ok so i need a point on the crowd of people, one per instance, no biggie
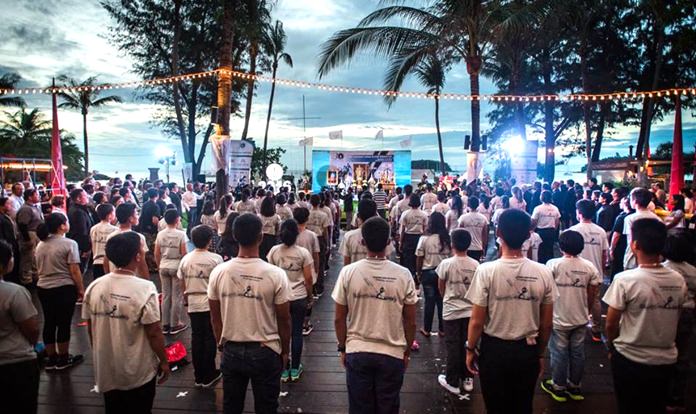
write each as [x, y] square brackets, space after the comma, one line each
[512, 273]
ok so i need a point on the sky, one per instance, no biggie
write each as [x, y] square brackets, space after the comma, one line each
[46, 38]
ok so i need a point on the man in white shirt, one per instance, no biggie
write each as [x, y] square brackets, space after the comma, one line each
[319, 222]
[640, 200]
[127, 217]
[98, 235]
[16, 198]
[123, 322]
[546, 218]
[250, 314]
[428, 199]
[170, 247]
[477, 226]
[189, 202]
[352, 247]
[375, 322]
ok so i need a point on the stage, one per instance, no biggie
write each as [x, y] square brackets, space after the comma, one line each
[356, 169]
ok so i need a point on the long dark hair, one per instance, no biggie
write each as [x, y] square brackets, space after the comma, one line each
[289, 232]
[437, 225]
[268, 207]
[457, 204]
[245, 195]
[208, 208]
[225, 202]
[228, 234]
[51, 224]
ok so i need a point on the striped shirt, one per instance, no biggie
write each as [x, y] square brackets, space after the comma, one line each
[380, 198]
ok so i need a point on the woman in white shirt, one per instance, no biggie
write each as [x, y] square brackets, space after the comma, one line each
[432, 249]
[220, 216]
[453, 214]
[271, 223]
[517, 200]
[676, 217]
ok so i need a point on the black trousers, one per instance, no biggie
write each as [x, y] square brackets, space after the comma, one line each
[97, 271]
[374, 383]
[323, 260]
[475, 254]
[19, 386]
[548, 238]
[433, 300]
[455, 341]
[137, 400]
[408, 252]
[640, 388]
[203, 347]
[508, 371]
[246, 361]
[58, 306]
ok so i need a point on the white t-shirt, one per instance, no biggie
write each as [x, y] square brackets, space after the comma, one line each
[629, 258]
[513, 291]
[246, 207]
[441, 208]
[457, 272]
[53, 259]
[248, 290]
[194, 270]
[429, 249]
[269, 224]
[496, 215]
[650, 299]
[688, 272]
[573, 275]
[98, 234]
[481, 209]
[220, 222]
[352, 246]
[532, 243]
[293, 260]
[318, 222]
[143, 243]
[519, 205]
[169, 241]
[118, 308]
[474, 224]
[375, 292]
[546, 216]
[495, 204]
[209, 220]
[284, 212]
[596, 243]
[428, 200]
[413, 221]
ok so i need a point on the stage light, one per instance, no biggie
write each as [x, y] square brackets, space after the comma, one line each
[163, 151]
[514, 143]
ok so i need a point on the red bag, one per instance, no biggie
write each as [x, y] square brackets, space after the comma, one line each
[176, 353]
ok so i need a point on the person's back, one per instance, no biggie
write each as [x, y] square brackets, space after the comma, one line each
[596, 242]
[640, 199]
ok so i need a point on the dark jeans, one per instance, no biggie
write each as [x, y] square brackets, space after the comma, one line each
[382, 213]
[640, 388]
[475, 254]
[58, 306]
[298, 310]
[432, 299]
[97, 271]
[192, 219]
[19, 386]
[374, 382]
[548, 238]
[203, 347]
[685, 329]
[245, 361]
[137, 400]
[323, 260]
[408, 252]
[455, 340]
[508, 371]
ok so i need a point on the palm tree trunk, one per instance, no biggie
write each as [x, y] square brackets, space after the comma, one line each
[268, 121]
[648, 103]
[225, 87]
[253, 51]
[85, 140]
[586, 107]
[475, 112]
[550, 136]
[439, 135]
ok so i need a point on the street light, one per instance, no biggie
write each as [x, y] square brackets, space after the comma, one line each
[165, 156]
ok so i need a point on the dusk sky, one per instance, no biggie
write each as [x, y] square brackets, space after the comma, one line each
[46, 38]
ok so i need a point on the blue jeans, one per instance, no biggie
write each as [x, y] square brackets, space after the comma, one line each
[298, 309]
[567, 348]
[244, 361]
[374, 382]
[432, 299]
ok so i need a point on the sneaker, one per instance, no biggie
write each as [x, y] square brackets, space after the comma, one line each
[295, 373]
[597, 337]
[285, 376]
[212, 382]
[67, 361]
[468, 384]
[425, 333]
[415, 346]
[575, 393]
[307, 329]
[442, 380]
[166, 329]
[558, 395]
[51, 363]
[176, 329]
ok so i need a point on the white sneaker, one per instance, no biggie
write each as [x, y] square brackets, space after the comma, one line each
[442, 380]
[468, 384]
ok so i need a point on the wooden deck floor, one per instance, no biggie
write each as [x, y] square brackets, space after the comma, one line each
[322, 388]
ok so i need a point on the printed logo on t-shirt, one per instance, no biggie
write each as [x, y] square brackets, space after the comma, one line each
[573, 281]
[244, 290]
[374, 292]
[110, 310]
[657, 299]
[520, 289]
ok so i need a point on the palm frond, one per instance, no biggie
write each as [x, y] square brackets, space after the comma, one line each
[287, 59]
[418, 18]
[400, 66]
[106, 100]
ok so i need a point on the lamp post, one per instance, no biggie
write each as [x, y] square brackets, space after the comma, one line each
[167, 157]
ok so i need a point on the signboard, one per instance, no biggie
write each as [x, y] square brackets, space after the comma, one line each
[240, 162]
[359, 168]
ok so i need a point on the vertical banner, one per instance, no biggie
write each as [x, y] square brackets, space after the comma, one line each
[220, 145]
[187, 172]
[57, 173]
[676, 178]
[474, 165]
[241, 153]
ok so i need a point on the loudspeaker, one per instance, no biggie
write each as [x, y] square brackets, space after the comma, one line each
[214, 115]
[467, 141]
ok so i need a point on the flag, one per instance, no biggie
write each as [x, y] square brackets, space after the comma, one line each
[676, 178]
[336, 135]
[57, 174]
[405, 143]
[307, 142]
[380, 134]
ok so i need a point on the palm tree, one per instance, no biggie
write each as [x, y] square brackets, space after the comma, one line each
[9, 81]
[84, 99]
[275, 46]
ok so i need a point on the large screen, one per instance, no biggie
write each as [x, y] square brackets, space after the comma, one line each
[343, 169]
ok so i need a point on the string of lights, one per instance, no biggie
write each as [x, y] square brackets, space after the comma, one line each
[583, 97]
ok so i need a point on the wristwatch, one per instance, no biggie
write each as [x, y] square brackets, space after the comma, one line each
[468, 348]
[341, 348]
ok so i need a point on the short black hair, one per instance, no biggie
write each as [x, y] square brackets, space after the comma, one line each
[288, 232]
[414, 201]
[366, 208]
[473, 202]
[571, 242]
[122, 248]
[375, 232]
[641, 196]
[678, 247]
[124, 212]
[461, 239]
[29, 193]
[315, 200]
[201, 235]
[546, 196]
[152, 193]
[103, 211]
[5, 256]
[171, 215]
[301, 214]
[586, 208]
[408, 189]
[513, 226]
[247, 229]
[650, 235]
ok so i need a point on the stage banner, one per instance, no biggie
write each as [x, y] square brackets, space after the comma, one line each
[220, 145]
[343, 169]
[241, 153]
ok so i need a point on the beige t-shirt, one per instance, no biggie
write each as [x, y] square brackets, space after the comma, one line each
[572, 275]
[209, 220]
[248, 290]
[596, 243]
[98, 234]
[292, 260]
[413, 221]
[53, 259]
[375, 292]
[452, 219]
[546, 216]
[269, 224]
[474, 223]
[194, 270]
[429, 249]
[118, 306]
[143, 243]
[246, 207]
[317, 222]
[220, 222]
[688, 272]
[428, 200]
[441, 208]
[352, 246]
[284, 212]
[629, 259]
[513, 291]
[170, 241]
[650, 300]
[457, 272]
[532, 243]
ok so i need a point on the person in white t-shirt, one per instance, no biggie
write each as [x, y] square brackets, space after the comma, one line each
[309, 240]
[352, 247]
[441, 205]
[412, 225]
[250, 313]
[271, 224]
[432, 249]
[123, 322]
[455, 275]
[98, 234]
[319, 222]
[375, 321]
[428, 199]
[577, 281]
[547, 219]
[644, 308]
[512, 314]
[640, 200]
[194, 271]
[477, 226]
[127, 217]
[170, 247]
[297, 263]
[283, 211]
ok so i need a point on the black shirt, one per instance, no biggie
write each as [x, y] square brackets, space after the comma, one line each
[80, 224]
[150, 210]
[348, 203]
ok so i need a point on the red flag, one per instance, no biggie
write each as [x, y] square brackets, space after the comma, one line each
[676, 178]
[57, 176]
